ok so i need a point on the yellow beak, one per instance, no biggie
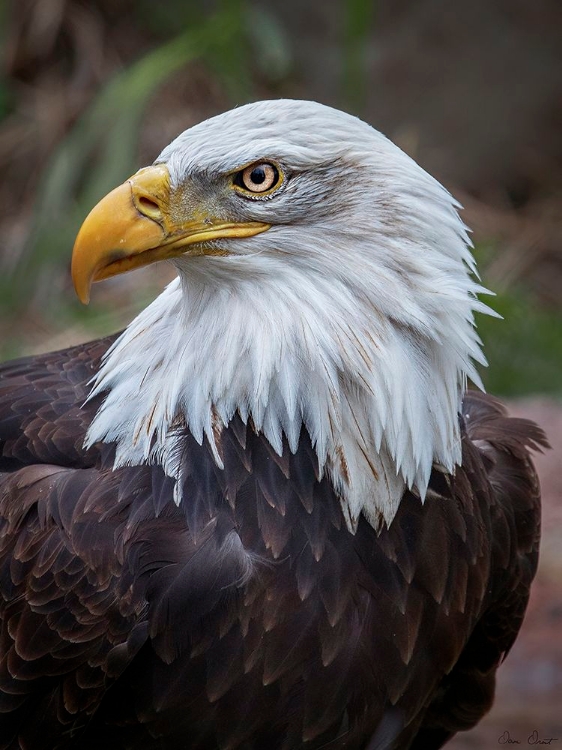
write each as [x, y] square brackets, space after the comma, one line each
[132, 227]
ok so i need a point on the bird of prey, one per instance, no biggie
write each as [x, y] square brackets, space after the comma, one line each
[268, 515]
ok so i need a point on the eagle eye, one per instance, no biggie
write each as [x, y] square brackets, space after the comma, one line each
[257, 179]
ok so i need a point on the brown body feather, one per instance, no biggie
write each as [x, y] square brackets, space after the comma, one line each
[249, 617]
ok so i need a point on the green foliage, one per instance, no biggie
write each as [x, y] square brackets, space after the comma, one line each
[524, 350]
[165, 18]
[358, 19]
[271, 50]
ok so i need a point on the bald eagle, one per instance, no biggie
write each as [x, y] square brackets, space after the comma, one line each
[267, 515]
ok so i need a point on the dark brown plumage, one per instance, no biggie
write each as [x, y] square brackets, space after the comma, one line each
[249, 617]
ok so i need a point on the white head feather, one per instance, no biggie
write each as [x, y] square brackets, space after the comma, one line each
[352, 315]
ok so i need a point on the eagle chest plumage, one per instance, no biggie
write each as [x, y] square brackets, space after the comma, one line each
[249, 616]
[268, 515]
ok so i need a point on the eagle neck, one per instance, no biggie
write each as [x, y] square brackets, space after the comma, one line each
[206, 350]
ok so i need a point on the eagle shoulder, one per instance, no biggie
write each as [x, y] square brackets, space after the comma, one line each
[497, 466]
[42, 414]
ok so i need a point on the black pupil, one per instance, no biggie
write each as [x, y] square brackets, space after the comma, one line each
[257, 175]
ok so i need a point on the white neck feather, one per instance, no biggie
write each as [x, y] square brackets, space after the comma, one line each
[379, 403]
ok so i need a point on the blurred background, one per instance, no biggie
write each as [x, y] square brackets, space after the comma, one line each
[472, 89]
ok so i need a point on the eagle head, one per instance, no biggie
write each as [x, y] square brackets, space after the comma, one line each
[325, 283]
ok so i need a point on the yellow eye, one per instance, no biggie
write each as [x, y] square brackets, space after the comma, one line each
[258, 178]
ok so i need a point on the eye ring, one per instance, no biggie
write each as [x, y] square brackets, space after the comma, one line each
[258, 179]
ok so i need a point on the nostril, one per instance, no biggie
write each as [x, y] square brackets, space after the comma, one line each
[148, 207]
